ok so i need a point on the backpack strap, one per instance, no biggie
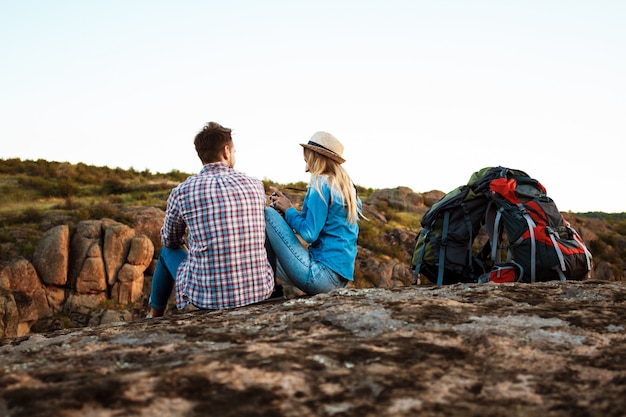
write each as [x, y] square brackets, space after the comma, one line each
[521, 271]
[582, 245]
[559, 253]
[533, 243]
[420, 254]
[470, 231]
[492, 224]
[443, 247]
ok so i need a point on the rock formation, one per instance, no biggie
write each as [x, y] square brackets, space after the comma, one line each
[546, 349]
[399, 198]
[101, 260]
[51, 258]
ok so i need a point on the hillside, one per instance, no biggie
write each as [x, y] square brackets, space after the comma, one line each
[38, 195]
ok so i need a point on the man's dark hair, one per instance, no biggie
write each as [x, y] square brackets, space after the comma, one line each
[210, 142]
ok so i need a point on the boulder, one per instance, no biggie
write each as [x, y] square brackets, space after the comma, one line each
[129, 287]
[110, 316]
[117, 238]
[56, 298]
[29, 294]
[9, 316]
[23, 276]
[141, 251]
[380, 271]
[399, 198]
[28, 312]
[92, 277]
[40, 298]
[148, 221]
[431, 197]
[5, 277]
[51, 256]
[87, 233]
[80, 307]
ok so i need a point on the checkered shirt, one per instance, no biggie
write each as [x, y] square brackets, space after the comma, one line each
[221, 210]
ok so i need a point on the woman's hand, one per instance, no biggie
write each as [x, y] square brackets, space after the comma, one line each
[279, 201]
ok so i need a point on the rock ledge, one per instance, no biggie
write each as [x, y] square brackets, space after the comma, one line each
[550, 349]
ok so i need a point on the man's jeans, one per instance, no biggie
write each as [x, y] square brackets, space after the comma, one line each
[293, 261]
[165, 276]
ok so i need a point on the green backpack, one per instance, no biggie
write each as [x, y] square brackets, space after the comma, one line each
[444, 251]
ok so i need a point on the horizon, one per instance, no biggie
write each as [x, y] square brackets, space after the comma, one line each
[422, 94]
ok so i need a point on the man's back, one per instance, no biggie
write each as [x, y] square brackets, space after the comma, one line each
[227, 264]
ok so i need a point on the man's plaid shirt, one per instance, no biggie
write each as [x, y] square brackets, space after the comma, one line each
[221, 210]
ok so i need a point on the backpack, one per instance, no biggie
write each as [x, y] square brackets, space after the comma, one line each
[521, 222]
[444, 251]
[538, 238]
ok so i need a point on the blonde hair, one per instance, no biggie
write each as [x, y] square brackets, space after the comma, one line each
[338, 179]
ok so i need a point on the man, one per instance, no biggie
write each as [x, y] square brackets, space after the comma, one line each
[219, 215]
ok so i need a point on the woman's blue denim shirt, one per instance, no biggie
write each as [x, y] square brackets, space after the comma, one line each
[324, 225]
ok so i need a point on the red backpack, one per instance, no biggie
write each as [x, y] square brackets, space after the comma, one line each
[527, 232]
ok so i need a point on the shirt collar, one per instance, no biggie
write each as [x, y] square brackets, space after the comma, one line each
[214, 167]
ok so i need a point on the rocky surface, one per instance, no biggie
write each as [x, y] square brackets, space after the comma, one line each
[544, 349]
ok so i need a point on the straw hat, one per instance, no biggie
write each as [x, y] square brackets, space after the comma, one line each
[326, 144]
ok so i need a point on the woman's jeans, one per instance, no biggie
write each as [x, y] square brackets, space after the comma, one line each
[165, 276]
[293, 261]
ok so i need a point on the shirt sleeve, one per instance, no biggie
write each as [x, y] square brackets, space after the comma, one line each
[309, 223]
[173, 230]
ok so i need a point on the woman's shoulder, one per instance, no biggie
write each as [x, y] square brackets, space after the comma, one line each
[320, 183]
[320, 180]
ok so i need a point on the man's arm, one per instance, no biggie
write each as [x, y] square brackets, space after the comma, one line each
[174, 227]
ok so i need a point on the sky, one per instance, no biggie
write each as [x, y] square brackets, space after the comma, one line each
[422, 93]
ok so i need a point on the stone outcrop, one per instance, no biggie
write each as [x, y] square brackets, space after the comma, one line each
[130, 277]
[116, 244]
[381, 271]
[28, 297]
[9, 316]
[51, 257]
[74, 272]
[399, 198]
[546, 349]
[431, 197]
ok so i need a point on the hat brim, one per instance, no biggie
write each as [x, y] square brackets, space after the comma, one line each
[329, 154]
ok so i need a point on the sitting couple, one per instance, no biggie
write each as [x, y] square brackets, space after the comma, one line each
[222, 246]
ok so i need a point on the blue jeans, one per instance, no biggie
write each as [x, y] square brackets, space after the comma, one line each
[293, 261]
[165, 276]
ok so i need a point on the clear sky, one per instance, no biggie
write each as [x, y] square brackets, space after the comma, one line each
[421, 92]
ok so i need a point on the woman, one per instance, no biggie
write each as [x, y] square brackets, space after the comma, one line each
[327, 223]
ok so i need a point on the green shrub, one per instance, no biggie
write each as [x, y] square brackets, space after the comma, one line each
[597, 248]
[620, 227]
[114, 186]
[31, 215]
[405, 219]
[177, 176]
[66, 187]
[363, 192]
